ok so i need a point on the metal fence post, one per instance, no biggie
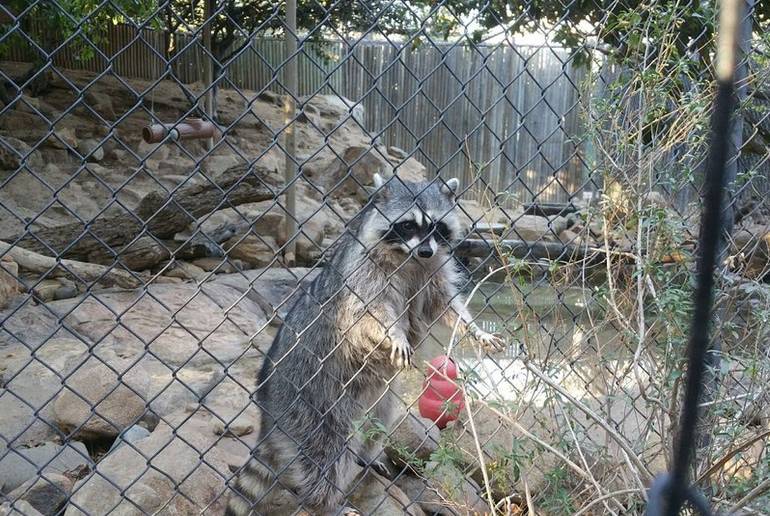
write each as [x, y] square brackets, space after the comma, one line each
[735, 142]
[208, 75]
[290, 143]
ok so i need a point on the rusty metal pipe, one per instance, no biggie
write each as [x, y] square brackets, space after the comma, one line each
[190, 129]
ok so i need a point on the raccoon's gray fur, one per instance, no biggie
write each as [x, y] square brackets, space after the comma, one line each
[390, 277]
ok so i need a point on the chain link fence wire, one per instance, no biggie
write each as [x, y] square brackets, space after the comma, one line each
[149, 250]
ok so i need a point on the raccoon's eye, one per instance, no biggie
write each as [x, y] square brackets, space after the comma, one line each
[408, 226]
[443, 230]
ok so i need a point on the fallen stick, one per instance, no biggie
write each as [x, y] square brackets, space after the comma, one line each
[79, 271]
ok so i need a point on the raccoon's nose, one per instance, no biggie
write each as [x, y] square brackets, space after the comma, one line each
[424, 251]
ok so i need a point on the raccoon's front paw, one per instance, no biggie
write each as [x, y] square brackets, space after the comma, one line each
[491, 341]
[380, 468]
[401, 353]
[377, 466]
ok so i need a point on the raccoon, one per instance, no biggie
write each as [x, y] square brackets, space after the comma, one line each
[389, 278]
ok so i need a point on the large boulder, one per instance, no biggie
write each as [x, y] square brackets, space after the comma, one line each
[91, 149]
[532, 228]
[336, 108]
[473, 214]
[31, 380]
[260, 228]
[374, 494]
[413, 437]
[274, 289]
[100, 399]
[9, 284]
[444, 490]
[20, 508]
[751, 246]
[346, 175]
[175, 470]
[14, 153]
[100, 102]
[178, 324]
[18, 465]
[255, 250]
[181, 336]
[47, 493]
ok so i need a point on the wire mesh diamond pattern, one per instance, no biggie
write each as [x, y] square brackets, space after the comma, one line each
[436, 260]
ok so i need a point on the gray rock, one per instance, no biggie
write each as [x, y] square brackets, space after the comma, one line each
[35, 105]
[271, 97]
[336, 107]
[133, 435]
[20, 508]
[101, 103]
[174, 322]
[230, 402]
[377, 495]
[14, 153]
[20, 426]
[21, 464]
[45, 290]
[414, 437]
[9, 284]
[47, 493]
[340, 179]
[217, 265]
[257, 251]
[397, 152]
[96, 403]
[30, 383]
[446, 492]
[532, 228]
[309, 114]
[184, 270]
[91, 149]
[164, 473]
[65, 292]
[272, 288]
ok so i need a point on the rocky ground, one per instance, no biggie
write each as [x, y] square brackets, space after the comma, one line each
[137, 399]
[150, 410]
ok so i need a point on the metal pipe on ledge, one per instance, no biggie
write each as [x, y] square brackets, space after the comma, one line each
[190, 129]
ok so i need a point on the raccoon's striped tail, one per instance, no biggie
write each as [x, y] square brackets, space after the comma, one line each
[251, 487]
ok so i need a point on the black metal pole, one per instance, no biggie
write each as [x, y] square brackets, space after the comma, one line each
[675, 490]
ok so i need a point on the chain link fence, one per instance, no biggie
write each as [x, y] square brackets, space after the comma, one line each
[178, 187]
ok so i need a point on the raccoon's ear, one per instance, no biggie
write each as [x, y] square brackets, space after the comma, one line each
[378, 181]
[451, 185]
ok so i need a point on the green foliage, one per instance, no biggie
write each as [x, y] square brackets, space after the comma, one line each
[556, 498]
[369, 428]
[505, 471]
[447, 453]
[625, 26]
[49, 23]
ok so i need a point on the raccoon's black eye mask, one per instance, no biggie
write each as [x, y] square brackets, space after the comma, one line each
[405, 230]
[407, 227]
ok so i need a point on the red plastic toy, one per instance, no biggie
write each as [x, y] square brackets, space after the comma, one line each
[441, 399]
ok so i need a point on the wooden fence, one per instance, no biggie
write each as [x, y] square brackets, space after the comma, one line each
[507, 114]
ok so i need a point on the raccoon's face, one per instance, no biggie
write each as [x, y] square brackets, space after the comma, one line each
[416, 219]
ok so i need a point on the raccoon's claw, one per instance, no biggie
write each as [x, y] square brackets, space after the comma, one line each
[380, 468]
[491, 341]
[401, 354]
[377, 466]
